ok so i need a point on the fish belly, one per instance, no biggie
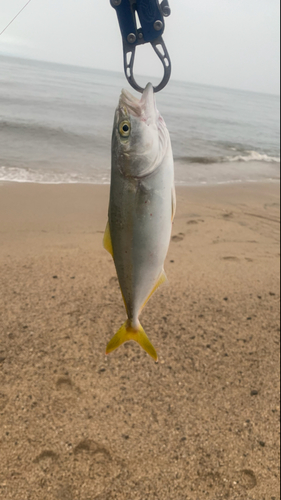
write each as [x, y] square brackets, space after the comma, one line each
[140, 218]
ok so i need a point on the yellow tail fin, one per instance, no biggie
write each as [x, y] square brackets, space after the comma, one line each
[127, 333]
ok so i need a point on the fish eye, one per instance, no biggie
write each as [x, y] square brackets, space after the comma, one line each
[125, 128]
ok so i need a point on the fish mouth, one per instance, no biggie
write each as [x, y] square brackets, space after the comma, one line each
[144, 108]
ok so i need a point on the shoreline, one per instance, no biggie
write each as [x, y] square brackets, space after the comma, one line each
[186, 174]
[177, 184]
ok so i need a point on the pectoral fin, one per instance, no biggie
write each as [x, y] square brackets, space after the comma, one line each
[107, 243]
[127, 333]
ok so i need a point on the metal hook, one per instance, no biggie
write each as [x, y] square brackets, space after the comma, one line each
[151, 15]
[129, 60]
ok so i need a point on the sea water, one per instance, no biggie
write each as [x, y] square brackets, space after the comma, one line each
[56, 123]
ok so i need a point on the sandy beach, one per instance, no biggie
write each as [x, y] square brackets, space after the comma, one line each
[201, 424]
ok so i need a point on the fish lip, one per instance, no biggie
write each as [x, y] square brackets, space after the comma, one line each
[148, 101]
[143, 109]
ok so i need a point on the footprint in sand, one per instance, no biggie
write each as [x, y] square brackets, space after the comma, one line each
[247, 479]
[94, 461]
[3, 401]
[46, 456]
[113, 281]
[194, 222]
[46, 462]
[64, 492]
[64, 383]
[178, 237]
[65, 396]
[231, 258]
[271, 205]
[228, 215]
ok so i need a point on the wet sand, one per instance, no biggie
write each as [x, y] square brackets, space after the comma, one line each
[204, 422]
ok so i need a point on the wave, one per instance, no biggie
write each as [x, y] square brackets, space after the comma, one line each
[203, 160]
[23, 175]
[255, 156]
[187, 177]
[31, 127]
[248, 156]
[42, 132]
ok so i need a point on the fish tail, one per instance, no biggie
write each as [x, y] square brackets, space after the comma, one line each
[127, 333]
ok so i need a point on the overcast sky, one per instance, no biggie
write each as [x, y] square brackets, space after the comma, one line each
[230, 43]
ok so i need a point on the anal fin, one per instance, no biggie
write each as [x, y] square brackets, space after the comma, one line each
[162, 279]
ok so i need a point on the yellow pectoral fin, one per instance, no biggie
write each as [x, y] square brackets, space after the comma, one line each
[107, 243]
[163, 278]
[127, 333]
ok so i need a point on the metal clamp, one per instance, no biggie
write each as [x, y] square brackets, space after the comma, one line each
[151, 19]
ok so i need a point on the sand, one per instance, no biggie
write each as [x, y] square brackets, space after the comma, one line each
[204, 422]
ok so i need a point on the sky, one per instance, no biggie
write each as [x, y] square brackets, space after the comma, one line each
[228, 43]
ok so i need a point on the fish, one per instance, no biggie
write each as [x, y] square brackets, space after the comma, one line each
[141, 208]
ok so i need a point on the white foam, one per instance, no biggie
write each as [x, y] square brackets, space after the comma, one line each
[22, 175]
[219, 173]
[254, 156]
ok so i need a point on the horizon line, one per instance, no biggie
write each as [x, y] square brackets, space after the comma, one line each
[175, 80]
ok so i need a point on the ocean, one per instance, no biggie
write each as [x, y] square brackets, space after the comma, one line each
[56, 123]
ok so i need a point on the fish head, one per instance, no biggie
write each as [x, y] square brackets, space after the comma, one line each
[140, 138]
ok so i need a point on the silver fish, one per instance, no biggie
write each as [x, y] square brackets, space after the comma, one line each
[141, 209]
